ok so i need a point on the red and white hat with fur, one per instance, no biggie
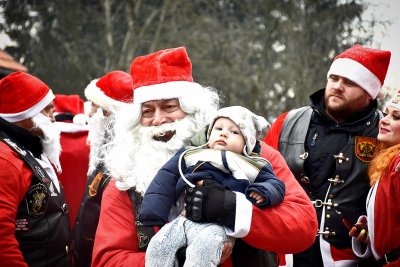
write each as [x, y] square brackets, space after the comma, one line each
[367, 67]
[23, 96]
[165, 74]
[112, 91]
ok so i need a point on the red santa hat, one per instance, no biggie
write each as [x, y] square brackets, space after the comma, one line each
[165, 74]
[70, 108]
[23, 96]
[367, 67]
[112, 91]
[68, 104]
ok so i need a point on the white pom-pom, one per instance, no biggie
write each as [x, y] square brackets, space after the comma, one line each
[81, 119]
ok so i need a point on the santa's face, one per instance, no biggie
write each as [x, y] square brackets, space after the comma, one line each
[158, 112]
[145, 151]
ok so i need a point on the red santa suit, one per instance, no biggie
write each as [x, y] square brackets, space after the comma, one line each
[287, 228]
[383, 213]
[74, 157]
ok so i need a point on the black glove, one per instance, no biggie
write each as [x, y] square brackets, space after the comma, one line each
[211, 203]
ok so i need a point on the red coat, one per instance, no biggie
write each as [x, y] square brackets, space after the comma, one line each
[287, 228]
[15, 179]
[74, 161]
[386, 213]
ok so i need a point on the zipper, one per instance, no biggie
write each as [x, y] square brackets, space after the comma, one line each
[314, 139]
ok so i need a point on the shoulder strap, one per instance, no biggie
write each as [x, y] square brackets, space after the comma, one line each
[144, 232]
[37, 169]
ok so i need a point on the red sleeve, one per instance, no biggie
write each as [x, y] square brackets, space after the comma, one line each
[272, 137]
[15, 179]
[290, 227]
[116, 242]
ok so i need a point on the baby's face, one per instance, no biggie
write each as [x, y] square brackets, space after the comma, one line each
[226, 135]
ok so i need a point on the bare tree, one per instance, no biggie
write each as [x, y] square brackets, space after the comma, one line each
[265, 55]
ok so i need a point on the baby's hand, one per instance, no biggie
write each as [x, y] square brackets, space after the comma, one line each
[256, 196]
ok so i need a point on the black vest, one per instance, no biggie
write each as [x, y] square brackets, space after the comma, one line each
[347, 188]
[88, 217]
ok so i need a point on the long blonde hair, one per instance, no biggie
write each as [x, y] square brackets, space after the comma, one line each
[381, 162]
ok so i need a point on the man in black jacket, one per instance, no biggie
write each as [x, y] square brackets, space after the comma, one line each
[328, 146]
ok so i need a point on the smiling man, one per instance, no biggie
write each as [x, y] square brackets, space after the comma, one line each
[328, 146]
[168, 110]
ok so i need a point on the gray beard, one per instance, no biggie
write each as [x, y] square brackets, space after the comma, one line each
[51, 139]
[96, 140]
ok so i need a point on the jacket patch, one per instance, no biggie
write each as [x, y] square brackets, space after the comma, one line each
[365, 147]
[21, 225]
[37, 199]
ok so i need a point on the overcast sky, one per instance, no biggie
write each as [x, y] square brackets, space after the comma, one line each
[388, 38]
[385, 38]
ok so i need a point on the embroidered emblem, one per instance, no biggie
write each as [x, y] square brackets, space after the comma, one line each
[143, 239]
[21, 224]
[37, 199]
[365, 147]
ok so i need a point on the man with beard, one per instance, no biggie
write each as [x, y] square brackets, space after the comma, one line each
[169, 108]
[34, 223]
[107, 95]
[328, 146]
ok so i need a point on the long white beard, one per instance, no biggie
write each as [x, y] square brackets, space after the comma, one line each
[96, 139]
[51, 139]
[136, 157]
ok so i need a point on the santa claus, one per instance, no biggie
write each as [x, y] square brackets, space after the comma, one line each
[33, 209]
[107, 95]
[170, 111]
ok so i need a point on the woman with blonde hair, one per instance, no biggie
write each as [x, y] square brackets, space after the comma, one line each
[378, 233]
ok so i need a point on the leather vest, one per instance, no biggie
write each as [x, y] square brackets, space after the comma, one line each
[42, 222]
[88, 217]
[349, 185]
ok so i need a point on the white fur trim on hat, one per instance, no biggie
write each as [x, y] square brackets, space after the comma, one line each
[94, 94]
[30, 112]
[168, 90]
[357, 73]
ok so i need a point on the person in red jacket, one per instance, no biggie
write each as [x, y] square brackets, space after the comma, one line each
[380, 229]
[168, 110]
[106, 94]
[74, 158]
[328, 146]
[34, 223]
